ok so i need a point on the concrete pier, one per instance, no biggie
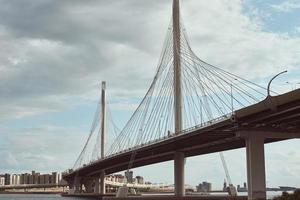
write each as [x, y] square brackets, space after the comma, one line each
[179, 162]
[97, 185]
[102, 182]
[256, 167]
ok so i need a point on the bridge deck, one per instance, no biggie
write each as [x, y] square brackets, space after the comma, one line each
[280, 114]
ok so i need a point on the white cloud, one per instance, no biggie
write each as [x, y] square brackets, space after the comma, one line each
[43, 148]
[55, 53]
[286, 6]
[224, 36]
[67, 52]
[124, 106]
[282, 163]
[10, 159]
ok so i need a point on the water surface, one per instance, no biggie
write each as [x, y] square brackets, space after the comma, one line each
[58, 197]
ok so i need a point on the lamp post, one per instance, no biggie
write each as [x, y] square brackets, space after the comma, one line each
[269, 84]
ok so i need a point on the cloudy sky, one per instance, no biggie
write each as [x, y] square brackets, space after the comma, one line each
[54, 54]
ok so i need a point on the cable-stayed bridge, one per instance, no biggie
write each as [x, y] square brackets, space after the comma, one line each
[191, 108]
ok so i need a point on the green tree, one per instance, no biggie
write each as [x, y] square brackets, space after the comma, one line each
[287, 196]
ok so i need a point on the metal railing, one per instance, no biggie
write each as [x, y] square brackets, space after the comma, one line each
[165, 138]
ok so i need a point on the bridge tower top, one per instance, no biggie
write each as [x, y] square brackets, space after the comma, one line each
[103, 116]
[177, 66]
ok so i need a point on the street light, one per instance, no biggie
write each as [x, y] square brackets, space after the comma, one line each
[269, 84]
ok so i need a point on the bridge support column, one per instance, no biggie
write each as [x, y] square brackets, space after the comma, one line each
[256, 167]
[88, 184]
[102, 182]
[179, 162]
[97, 186]
[77, 186]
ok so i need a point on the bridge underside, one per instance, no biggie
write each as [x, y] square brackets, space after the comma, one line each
[278, 118]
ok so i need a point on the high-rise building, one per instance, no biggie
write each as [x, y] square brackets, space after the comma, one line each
[139, 180]
[54, 178]
[129, 176]
[15, 179]
[18, 179]
[36, 178]
[2, 180]
[30, 179]
[21, 179]
[42, 179]
[204, 187]
[242, 189]
[7, 179]
[33, 178]
[47, 179]
[59, 178]
[119, 178]
[26, 178]
[110, 178]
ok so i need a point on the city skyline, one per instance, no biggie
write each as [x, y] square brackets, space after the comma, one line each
[55, 103]
[36, 178]
[31, 178]
[55, 178]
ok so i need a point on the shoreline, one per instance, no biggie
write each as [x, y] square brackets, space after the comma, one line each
[37, 192]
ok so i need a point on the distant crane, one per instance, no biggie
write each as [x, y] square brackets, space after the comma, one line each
[231, 188]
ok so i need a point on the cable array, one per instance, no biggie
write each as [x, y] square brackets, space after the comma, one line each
[208, 93]
[91, 151]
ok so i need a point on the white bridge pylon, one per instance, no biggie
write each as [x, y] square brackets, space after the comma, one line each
[186, 92]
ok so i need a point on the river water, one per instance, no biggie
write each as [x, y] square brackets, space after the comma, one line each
[58, 197]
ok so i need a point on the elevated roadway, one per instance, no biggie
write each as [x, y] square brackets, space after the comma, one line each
[276, 118]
